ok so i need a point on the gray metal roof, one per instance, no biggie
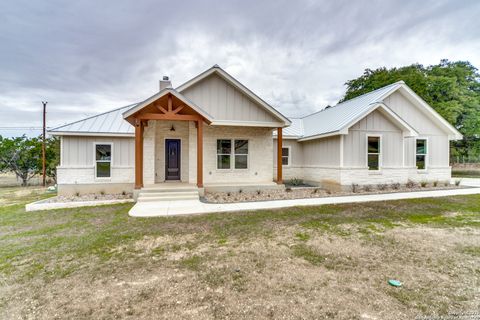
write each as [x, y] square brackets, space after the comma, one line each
[337, 117]
[110, 122]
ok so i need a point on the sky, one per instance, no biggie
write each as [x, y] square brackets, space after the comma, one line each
[85, 57]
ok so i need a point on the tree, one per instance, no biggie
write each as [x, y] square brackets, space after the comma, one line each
[23, 157]
[451, 88]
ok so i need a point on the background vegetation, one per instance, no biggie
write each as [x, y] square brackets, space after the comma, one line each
[451, 88]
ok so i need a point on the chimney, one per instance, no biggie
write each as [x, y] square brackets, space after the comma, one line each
[165, 83]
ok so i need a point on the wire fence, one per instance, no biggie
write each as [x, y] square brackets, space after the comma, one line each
[464, 160]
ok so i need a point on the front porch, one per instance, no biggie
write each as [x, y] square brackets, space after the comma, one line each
[176, 141]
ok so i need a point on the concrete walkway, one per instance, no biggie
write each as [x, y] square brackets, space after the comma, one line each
[175, 208]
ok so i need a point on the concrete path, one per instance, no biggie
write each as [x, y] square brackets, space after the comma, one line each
[175, 208]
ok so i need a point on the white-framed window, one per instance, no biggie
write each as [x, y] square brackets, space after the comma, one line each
[374, 152]
[286, 156]
[224, 153]
[421, 153]
[241, 154]
[232, 153]
[103, 160]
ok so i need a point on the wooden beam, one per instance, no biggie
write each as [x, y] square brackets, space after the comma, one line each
[200, 153]
[169, 116]
[177, 110]
[279, 155]
[162, 109]
[170, 102]
[138, 154]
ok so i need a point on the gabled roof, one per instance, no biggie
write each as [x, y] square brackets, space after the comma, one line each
[337, 119]
[237, 84]
[162, 93]
[109, 123]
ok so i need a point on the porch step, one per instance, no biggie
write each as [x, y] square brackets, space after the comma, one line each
[168, 193]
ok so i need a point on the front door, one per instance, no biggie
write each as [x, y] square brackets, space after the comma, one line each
[172, 159]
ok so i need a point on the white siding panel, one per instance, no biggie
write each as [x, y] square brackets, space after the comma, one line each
[322, 152]
[225, 102]
[355, 143]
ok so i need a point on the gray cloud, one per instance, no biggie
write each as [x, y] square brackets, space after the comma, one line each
[86, 57]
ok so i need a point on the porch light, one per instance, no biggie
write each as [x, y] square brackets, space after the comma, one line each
[172, 128]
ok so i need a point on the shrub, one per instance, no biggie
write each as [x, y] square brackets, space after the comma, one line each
[382, 186]
[423, 184]
[77, 194]
[355, 188]
[315, 190]
[446, 183]
[240, 191]
[395, 186]
[102, 193]
[410, 184]
[367, 188]
[229, 194]
[295, 182]
[259, 192]
[435, 183]
[124, 193]
[288, 189]
[457, 182]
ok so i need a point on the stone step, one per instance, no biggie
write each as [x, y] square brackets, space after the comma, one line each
[167, 198]
[169, 193]
[168, 189]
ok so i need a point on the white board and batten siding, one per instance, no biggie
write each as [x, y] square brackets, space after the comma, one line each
[225, 102]
[438, 142]
[355, 142]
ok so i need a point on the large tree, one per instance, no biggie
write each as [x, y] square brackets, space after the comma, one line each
[451, 88]
[23, 157]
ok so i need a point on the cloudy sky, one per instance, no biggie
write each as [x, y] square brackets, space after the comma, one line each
[86, 57]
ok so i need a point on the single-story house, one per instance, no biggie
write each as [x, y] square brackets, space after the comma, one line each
[215, 133]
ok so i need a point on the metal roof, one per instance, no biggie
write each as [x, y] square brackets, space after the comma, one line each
[110, 122]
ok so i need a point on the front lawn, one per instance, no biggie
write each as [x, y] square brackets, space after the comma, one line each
[311, 262]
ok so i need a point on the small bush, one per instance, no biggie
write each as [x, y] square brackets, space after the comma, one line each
[435, 183]
[77, 194]
[259, 192]
[316, 190]
[382, 186]
[229, 194]
[295, 182]
[423, 184]
[410, 184]
[367, 188]
[457, 182]
[395, 186]
[124, 193]
[446, 183]
[355, 188]
[240, 191]
[102, 193]
[288, 189]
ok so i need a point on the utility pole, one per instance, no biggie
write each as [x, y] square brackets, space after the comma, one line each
[44, 165]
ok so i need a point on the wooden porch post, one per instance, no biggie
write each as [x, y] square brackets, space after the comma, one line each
[279, 155]
[138, 154]
[200, 153]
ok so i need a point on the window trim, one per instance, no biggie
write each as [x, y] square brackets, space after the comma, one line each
[241, 154]
[95, 144]
[232, 155]
[289, 157]
[380, 153]
[427, 145]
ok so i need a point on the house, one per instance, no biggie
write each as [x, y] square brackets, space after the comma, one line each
[215, 133]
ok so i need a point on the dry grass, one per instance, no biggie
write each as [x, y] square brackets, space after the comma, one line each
[308, 263]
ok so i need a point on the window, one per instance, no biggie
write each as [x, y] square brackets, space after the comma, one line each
[225, 154]
[421, 154]
[373, 153]
[285, 156]
[103, 160]
[241, 154]
[224, 151]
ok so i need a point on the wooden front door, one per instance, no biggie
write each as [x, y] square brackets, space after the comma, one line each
[172, 159]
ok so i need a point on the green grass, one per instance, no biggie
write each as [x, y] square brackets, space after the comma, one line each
[49, 243]
[466, 173]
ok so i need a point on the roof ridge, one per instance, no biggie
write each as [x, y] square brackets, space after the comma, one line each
[91, 117]
[362, 95]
